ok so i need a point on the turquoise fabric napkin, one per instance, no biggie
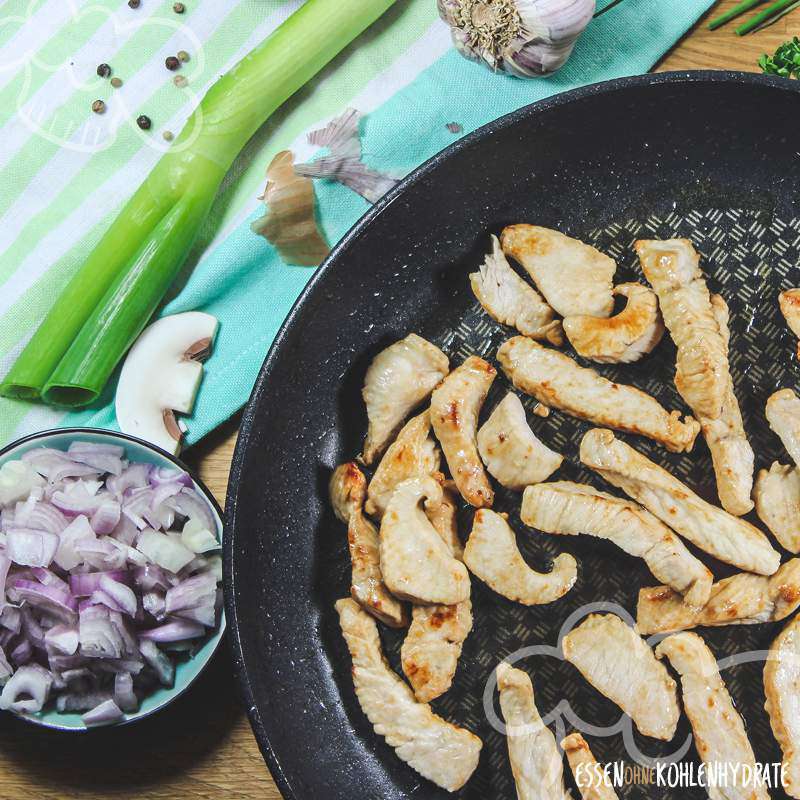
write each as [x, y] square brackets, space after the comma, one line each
[422, 87]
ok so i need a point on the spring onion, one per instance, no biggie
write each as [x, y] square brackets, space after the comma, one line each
[732, 13]
[764, 16]
[119, 286]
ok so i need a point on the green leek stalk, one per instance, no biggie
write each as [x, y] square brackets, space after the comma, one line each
[116, 290]
[759, 19]
[738, 9]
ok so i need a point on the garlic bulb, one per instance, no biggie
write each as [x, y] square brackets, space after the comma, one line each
[527, 38]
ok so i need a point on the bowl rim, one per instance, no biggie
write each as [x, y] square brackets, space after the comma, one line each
[264, 731]
[216, 636]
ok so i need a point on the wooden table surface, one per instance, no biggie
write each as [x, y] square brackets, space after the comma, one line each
[202, 747]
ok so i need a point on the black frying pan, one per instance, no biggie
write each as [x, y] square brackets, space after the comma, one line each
[709, 155]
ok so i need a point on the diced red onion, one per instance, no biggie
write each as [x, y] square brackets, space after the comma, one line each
[122, 595]
[39, 515]
[105, 714]
[62, 639]
[191, 593]
[101, 553]
[33, 682]
[175, 631]
[151, 576]
[5, 668]
[106, 518]
[99, 638]
[31, 548]
[134, 477]
[83, 585]
[77, 500]
[124, 695]
[161, 475]
[160, 662]
[78, 530]
[164, 550]
[22, 653]
[11, 619]
[125, 531]
[48, 599]
[106, 458]
[55, 465]
[190, 504]
[118, 565]
[71, 702]
[154, 604]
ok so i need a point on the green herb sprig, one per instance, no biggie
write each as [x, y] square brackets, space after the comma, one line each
[785, 62]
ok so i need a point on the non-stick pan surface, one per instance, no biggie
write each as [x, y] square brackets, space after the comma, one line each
[708, 155]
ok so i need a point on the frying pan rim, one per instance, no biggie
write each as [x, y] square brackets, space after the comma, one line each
[266, 732]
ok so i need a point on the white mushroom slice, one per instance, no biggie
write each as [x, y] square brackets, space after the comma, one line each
[782, 689]
[432, 647]
[416, 564]
[397, 381]
[510, 449]
[621, 666]
[347, 489]
[508, 299]
[728, 538]
[569, 508]
[589, 778]
[573, 277]
[789, 302]
[783, 415]
[559, 382]
[437, 750]
[161, 375]
[731, 453]
[673, 268]
[535, 760]
[777, 496]
[455, 406]
[719, 733]
[741, 599]
[413, 454]
[625, 337]
[493, 556]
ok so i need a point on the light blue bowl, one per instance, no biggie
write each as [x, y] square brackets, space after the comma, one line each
[135, 450]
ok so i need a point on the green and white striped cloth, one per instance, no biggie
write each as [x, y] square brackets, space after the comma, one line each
[65, 171]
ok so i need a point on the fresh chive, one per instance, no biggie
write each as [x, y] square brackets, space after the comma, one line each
[785, 62]
[119, 286]
[760, 18]
[731, 13]
[780, 15]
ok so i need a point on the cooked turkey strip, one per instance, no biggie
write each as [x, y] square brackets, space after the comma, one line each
[347, 490]
[719, 733]
[508, 299]
[492, 555]
[413, 454]
[532, 751]
[510, 449]
[399, 378]
[741, 599]
[724, 536]
[782, 689]
[777, 496]
[441, 752]
[559, 382]
[589, 780]
[621, 666]
[783, 415]
[455, 406]
[569, 508]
